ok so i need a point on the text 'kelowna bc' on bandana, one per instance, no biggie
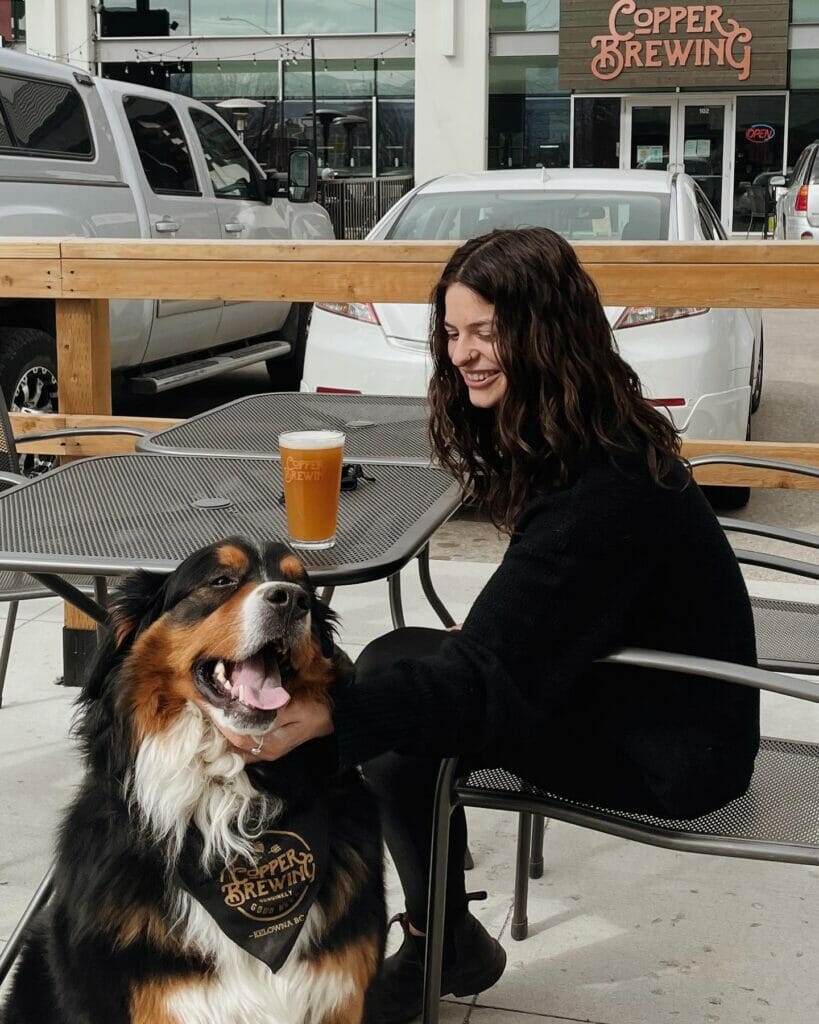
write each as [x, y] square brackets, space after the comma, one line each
[262, 904]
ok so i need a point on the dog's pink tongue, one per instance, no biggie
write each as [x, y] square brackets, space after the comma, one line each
[251, 686]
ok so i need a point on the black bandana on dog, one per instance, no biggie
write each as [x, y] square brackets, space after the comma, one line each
[262, 904]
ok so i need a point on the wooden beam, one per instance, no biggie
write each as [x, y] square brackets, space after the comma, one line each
[30, 268]
[83, 356]
[755, 274]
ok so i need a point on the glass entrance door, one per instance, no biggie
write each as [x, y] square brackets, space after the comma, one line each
[681, 133]
[702, 142]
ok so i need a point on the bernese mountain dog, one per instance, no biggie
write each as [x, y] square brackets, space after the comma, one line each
[192, 888]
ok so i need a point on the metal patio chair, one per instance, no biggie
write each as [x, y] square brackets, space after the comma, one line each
[787, 632]
[19, 586]
[777, 819]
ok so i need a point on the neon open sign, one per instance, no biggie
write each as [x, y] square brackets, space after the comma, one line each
[759, 133]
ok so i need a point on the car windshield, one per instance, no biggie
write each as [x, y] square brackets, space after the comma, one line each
[577, 215]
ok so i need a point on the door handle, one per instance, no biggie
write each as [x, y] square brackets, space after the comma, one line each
[166, 227]
[233, 227]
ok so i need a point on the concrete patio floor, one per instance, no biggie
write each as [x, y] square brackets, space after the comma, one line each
[620, 933]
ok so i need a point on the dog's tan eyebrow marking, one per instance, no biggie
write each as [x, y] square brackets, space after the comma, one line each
[291, 567]
[232, 558]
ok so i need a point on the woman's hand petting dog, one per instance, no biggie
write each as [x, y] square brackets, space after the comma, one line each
[300, 720]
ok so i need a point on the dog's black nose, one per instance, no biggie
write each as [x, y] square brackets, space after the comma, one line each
[289, 599]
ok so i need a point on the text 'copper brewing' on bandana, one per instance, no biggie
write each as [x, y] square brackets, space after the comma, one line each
[262, 904]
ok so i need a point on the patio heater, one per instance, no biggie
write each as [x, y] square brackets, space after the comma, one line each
[239, 107]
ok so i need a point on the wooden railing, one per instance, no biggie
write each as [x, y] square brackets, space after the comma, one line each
[81, 275]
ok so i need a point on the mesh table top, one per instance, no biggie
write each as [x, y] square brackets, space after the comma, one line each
[378, 428]
[111, 515]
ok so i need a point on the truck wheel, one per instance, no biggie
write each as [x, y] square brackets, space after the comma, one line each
[285, 374]
[28, 379]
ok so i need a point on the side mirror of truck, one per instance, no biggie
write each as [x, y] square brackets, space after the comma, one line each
[302, 178]
[275, 185]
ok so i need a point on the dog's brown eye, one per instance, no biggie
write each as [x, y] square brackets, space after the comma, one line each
[222, 581]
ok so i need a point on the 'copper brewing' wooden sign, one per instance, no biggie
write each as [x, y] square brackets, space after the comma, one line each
[621, 45]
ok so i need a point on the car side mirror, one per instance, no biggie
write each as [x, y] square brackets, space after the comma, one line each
[302, 178]
[777, 179]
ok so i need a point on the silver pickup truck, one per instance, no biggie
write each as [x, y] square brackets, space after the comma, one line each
[98, 158]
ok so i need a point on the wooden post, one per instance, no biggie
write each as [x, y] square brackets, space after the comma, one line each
[84, 356]
[84, 386]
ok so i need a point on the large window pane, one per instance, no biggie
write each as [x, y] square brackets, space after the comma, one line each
[395, 77]
[334, 78]
[321, 16]
[524, 15]
[528, 116]
[805, 11]
[344, 140]
[804, 69]
[804, 123]
[250, 17]
[394, 15]
[396, 137]
[597, 131]
[757, 154]
[162, 18]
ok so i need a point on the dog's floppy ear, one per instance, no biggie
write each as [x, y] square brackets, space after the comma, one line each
[138, 603]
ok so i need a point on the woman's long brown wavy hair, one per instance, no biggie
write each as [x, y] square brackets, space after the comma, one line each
[568, 391]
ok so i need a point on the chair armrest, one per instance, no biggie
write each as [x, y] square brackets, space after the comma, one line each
[777, 562]
[749, 460]
[47, 435]
[11, 478]
[809, 540]
[744, 675]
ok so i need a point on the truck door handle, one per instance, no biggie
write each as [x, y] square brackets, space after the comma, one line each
[233, 227]
[165, 227]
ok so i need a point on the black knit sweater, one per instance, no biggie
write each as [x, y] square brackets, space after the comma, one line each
[613, 560]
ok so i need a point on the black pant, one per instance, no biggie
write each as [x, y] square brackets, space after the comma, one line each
[570, 757]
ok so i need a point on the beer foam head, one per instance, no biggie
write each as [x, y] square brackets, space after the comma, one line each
[312, 439]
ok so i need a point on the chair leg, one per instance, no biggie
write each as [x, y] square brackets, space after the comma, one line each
[520, 919]
[8, 635]
[438, 605]
[36, 903]
[436, 907]
[536, 858]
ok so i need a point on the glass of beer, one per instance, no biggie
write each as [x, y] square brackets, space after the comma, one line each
[311, 471]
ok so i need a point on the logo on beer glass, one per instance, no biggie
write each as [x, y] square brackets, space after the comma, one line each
[311, 463]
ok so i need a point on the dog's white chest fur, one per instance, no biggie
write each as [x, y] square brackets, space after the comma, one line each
[242, 990]
[187, 775]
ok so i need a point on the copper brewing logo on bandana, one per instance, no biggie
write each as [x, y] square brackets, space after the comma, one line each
[262, 903]
[275, 883]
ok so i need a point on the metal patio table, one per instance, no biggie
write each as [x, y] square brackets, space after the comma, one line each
[378, 428]
[111, 515]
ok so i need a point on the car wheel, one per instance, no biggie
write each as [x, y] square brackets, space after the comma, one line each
[286, 373]
[730, 499]
[28, 378]
[756, 380]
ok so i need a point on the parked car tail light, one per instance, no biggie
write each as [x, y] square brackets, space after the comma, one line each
[801, 204]
[336, 391]
[363, 311]
[806, 234]
[666, 401]
[636, 316]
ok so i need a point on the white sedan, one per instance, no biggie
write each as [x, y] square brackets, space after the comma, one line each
[703, 366]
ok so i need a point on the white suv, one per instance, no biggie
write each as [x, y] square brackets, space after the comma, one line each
[797, 203]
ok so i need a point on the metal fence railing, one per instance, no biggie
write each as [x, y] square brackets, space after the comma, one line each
[356, 204]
